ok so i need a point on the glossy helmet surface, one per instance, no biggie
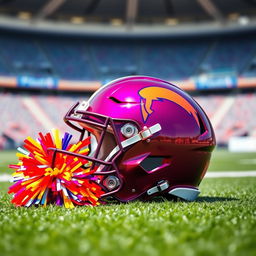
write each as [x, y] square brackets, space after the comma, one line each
[151, 138]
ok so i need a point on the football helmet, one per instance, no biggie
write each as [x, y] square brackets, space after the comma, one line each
[150, 138]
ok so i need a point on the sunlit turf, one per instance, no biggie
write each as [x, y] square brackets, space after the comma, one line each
[6, 158]
[222, 160]
[221, 222]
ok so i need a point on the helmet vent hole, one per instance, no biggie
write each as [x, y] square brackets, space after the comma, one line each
[115, 100]
[154, 163]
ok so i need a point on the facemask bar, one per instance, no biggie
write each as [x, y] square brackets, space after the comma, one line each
[79, 116]
[82, 116]
[105, 173]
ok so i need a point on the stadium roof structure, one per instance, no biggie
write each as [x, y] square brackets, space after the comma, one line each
[128, 16]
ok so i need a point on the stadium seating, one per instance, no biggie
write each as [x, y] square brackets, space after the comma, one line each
[115, 57]
[95, 59]
[18, 121]
[104, 59]
[21, 55]
[238, 120]
[172, 60]
[56, 107]
[210, 103]
[70, 59]
[230, 54]
[3, 68]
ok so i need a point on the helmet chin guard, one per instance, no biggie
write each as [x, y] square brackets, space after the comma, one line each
[152, 138]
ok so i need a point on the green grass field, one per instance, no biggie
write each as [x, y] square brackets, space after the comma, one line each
[221, 222]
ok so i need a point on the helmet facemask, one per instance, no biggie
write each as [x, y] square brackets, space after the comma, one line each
[109, 138]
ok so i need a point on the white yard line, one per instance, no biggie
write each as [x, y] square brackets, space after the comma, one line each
[221, 174]
[231, 174]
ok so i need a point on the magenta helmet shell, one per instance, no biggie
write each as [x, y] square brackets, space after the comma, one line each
[175, 156]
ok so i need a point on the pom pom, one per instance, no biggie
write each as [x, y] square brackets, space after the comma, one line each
[43, 176]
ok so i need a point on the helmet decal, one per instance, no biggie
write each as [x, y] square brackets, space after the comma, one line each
[149, 94]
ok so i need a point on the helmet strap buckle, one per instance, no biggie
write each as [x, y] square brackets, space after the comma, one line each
[161, 186]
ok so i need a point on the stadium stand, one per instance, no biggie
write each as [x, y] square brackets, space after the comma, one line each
[3, 68]
[92, 59]
[25, 113]
[240, 119]
[172, 60]
[230, 54]
[16, 120]
[22, 55]
[238, 114]
[56, 107]
[230, 116]
[118, 57]
[70, 59]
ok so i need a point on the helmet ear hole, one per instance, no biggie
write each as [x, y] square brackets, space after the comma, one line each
[129, 130]
[111, 182]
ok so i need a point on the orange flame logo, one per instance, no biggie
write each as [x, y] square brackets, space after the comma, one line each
[149, 94]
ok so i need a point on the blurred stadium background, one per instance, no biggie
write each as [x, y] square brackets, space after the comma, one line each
[56, 52]
[53, 53]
